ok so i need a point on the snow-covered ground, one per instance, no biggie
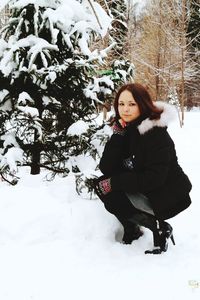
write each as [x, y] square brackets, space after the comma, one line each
[54, 245]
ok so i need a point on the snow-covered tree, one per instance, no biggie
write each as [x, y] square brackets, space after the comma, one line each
[119, 69]
[118, 10]
[46, 70]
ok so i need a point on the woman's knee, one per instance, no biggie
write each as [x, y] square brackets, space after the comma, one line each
[118, 204]
[110, 204]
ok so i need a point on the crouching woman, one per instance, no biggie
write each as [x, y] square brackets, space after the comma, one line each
[143, 184]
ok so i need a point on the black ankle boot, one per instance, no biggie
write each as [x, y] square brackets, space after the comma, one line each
[161, 238]
[161, 230]
[131, 234]
[166, 234]
[132, 231]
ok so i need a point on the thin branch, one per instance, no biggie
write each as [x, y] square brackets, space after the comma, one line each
[14, 182]
[94, 11]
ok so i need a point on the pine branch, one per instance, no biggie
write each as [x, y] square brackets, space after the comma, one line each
[13, 182]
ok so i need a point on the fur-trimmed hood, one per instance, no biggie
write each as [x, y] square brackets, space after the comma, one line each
[169, 114]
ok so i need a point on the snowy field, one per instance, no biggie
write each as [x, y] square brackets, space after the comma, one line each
[54, 245]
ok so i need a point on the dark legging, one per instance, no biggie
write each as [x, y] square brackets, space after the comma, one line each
[118, 204]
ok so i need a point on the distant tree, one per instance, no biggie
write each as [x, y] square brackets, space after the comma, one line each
[193, 40]
[161, 50]
[194, 23]
[4, 15]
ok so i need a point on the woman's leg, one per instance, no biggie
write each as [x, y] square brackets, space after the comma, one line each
[161, 230]
[119, 205]
[132, 231]
[141, 202]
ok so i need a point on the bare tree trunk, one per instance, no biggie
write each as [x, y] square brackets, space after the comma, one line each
[159, 54]
[35, 164]
[182, 100]
[183, 49]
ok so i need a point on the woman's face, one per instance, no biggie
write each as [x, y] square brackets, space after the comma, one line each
[127, 107]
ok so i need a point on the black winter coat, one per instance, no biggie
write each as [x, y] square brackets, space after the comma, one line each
[156, 172]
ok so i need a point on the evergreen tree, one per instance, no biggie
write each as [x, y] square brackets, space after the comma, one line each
[46, 68]
[118, 33]
[118, 9]
[119, 68]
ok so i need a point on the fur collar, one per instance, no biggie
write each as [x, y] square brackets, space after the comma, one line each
[168, 114]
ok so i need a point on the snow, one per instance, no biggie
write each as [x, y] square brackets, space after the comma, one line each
[52, 76]
[56, 245]
[97, 86]
[36, 45]
[24, 97]
[22, 3]
[75, 12]
[5, 106]
[13, 155]
[3, 3]
[104, 19]
[30, 111]
[139, 6]
[78, 128]
[9, 139]
[3, 46]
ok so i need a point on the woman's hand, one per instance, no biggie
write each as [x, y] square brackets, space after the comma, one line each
[103, 187]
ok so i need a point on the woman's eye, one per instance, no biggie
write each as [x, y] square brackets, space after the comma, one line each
[129, 104]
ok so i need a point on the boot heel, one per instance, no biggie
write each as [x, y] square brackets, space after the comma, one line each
[172, 239]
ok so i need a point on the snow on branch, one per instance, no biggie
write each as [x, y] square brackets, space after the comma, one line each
[36, 44]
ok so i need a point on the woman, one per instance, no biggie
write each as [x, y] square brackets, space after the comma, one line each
[143, 184]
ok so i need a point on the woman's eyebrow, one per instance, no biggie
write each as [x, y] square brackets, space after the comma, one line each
[130, 101]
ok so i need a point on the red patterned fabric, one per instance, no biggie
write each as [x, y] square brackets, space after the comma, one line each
[104, 186]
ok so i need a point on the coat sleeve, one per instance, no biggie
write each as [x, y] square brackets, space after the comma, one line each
[158, 147]
[111, 161]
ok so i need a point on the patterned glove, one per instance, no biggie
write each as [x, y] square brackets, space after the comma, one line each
[118, 129]
[103, 187]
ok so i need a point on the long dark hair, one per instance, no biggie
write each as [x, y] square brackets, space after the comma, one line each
[142, 98]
